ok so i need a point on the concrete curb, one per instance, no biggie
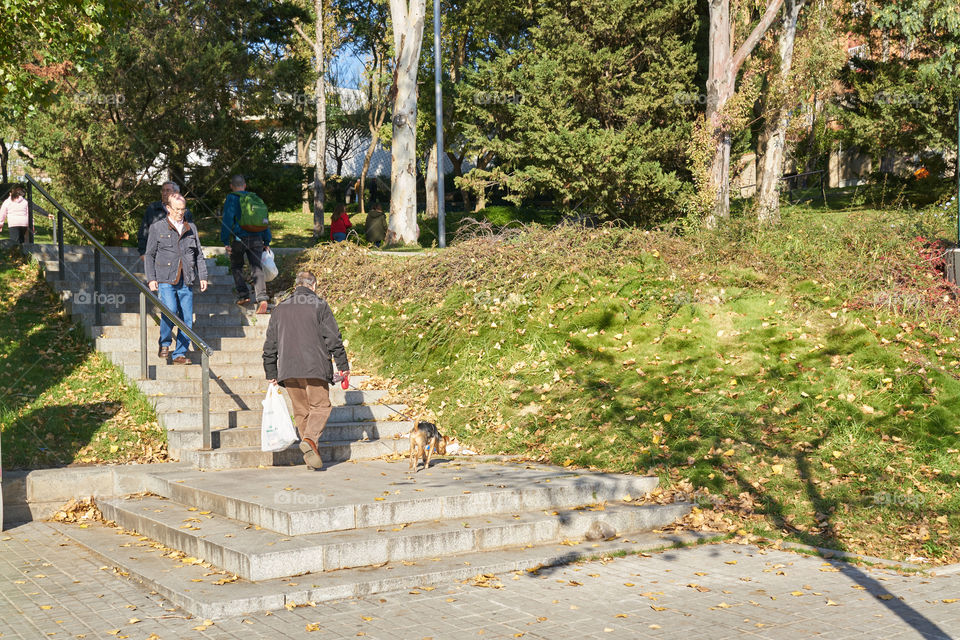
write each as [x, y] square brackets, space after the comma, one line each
[37, 494]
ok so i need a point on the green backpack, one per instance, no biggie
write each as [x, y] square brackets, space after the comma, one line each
[253, 213]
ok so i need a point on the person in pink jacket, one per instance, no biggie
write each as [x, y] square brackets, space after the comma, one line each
[15, 212]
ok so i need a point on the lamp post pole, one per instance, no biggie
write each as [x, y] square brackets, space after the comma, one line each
[438, 91]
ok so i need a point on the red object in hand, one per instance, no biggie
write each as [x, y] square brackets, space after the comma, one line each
[345, 382]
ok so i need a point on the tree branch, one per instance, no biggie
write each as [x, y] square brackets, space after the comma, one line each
[754, 38]
[296, 26]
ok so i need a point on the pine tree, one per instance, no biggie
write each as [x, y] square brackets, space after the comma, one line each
[592, 110]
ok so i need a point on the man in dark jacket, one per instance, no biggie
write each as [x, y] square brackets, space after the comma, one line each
[376, 227]
[238, 242]
[173, 262]
[157, 211]
[301, 337]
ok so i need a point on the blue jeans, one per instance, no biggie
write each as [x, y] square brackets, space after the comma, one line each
[179, 299]
[339, 236]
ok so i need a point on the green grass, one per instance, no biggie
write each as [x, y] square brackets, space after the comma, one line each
[750, 363]
[60, 401]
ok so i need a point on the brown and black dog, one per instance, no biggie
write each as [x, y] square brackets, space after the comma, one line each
[425, 440]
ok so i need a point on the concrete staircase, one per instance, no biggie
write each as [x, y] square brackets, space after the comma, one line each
[361, 426]
[254, 539]
[264, 532]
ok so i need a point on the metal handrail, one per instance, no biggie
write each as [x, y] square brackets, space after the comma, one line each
[145, 295]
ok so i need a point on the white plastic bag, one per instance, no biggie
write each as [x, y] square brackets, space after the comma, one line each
[276, 427]
[269, 264]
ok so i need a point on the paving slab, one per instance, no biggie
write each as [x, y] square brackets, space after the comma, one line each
[51, 585]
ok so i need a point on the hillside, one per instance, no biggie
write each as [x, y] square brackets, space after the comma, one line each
[799, 382]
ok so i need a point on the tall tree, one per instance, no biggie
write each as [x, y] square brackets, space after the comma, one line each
[725, 65]
[407, 17]
[901, 87]
[169, 89]
[367, 23]
[583, 110]
[777, 118]
[320, 100]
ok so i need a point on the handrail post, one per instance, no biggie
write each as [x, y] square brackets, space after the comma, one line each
[205, 399]
[96, 288]
[63, 267]
[144, 372]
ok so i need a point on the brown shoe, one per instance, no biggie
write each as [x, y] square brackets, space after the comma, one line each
[164, 352]
[181, 360]
[243, 300]
[311, 455]
[262, 308]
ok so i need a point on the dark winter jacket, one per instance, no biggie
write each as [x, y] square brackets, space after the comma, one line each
[155, 211]
[301, 337]
[376, 228]
[170, 254]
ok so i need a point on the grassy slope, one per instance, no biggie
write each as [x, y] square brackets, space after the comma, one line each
[60, 401]
[765, 367]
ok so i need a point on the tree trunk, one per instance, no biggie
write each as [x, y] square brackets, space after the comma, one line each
[4, 158]
[768, 196]
[374, 141]
[407, 38]
[320, 148]
[303, 160]
[433, 209]
[721, 85]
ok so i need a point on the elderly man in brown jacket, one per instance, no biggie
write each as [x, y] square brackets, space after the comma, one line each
[301, 337]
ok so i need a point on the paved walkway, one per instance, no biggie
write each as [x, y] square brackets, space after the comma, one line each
[50, 588]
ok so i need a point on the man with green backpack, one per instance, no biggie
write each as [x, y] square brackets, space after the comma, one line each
[245, 231]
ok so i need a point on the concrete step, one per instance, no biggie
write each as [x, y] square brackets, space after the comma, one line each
[255, 384]
[211, 331]
[191, 420]
[376, 493]
[183, 441]
[130, 363]
[330, 451]
[195, 590]
[79, 273]
[131, 319]
[259, 554]
[83, 271]
[220, 401]
[252, 358]
[240, 346]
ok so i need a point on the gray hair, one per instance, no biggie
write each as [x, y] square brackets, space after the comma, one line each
[173, 186]
[238, 181]
[178, 198]
[306, 279]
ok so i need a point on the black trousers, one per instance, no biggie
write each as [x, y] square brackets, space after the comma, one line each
[252, 248]
[21, 234]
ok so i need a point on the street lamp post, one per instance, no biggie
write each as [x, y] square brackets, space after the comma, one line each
[438, 91]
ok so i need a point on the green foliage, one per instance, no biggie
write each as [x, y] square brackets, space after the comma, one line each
[902, 91]
[804, 407]
[61, 402]
[584, 110]
[172, 84]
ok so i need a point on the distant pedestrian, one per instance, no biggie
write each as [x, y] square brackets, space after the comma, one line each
[173, 261]
[340, 224]
[241, 236]
[376, 225]
[157, 211]
[301, 337]
[15, 210]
